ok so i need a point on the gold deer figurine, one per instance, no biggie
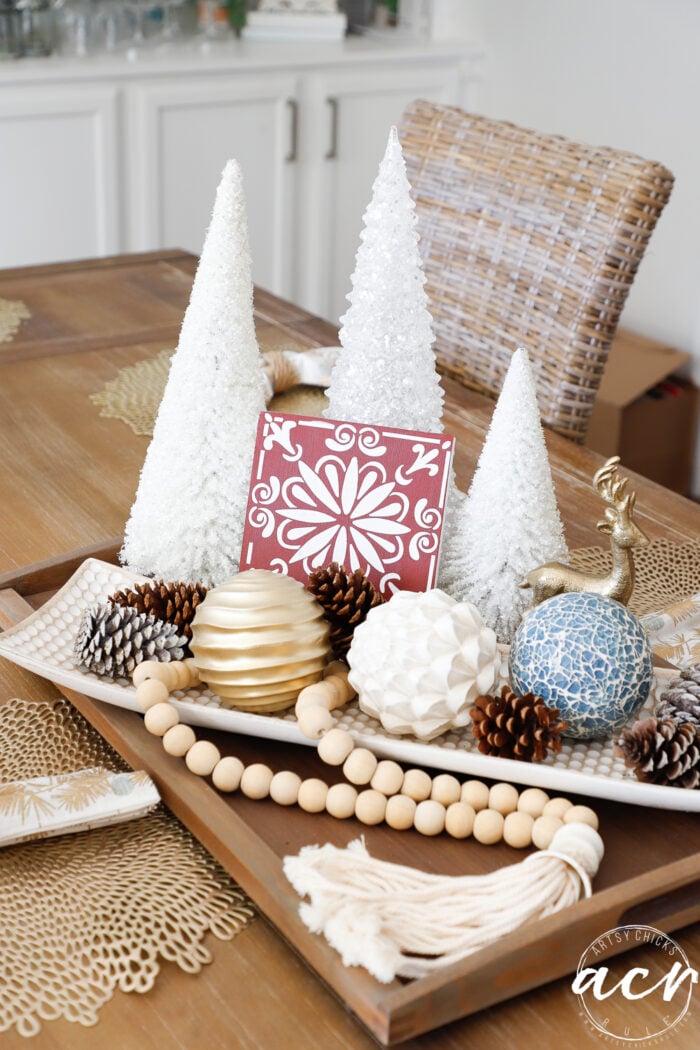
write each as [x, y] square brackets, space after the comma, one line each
[555, 578]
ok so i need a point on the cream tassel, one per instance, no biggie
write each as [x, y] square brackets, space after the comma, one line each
[387, 917]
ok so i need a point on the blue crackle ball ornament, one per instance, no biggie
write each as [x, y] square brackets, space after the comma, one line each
[586, 655]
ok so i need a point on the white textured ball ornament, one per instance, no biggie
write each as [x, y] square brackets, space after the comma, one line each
[258, 639]
[420, 660]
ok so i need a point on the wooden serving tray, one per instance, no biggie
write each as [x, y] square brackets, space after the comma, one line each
[649, 873]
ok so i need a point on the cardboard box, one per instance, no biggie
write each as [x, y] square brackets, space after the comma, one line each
[642, 415]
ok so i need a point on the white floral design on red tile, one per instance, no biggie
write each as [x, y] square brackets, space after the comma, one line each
[369, 498]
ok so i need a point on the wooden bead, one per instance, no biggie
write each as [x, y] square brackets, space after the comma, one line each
[160, 718]
[191, 666]
[517, 829]
[314, 696]
[446, 789]
[359, 766]
[344, 692]
[340, 801]
[335, 746]
[335, 667]
[284, 788]
[312, 795]
[315, 721]
[429, 817]
[416, 784]
[557, 807]
[178, 740]
[388, 777]
[150, 693]
[227, 773]
[488, 826]
[180, 677]
[533, 801]
[581, 815]
[146, 669]
[503, 798]
[256, 780]
[370, 807]
[202, 758]
[400, 812]
[476, 794]
[543, 831]
[168, 674]
[459, 820]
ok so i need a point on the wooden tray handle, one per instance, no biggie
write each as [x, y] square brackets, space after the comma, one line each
[51, 574]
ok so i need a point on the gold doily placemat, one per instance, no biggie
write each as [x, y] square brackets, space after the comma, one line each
[12, 313]
[84, 914]
[134, 396]
[666, 594]
[665, 572]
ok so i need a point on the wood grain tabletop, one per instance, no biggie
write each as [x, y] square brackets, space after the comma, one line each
[67, 480]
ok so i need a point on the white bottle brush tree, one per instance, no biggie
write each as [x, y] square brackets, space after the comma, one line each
[510, 521]
[187, 519]
[385, 373]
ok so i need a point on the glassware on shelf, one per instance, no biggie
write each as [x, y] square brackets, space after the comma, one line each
[213, 20]
[9, 30]
[36, 28]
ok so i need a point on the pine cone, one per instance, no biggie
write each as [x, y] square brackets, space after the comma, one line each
[662, 752]
[512, 726]
[346, 599]
[175, 603]
[112, 640]
[681, 701]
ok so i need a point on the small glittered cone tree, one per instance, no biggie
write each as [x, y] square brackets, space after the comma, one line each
[510, 520]
[187, 520]
[385, 374]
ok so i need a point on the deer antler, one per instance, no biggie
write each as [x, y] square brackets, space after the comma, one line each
[608, 486]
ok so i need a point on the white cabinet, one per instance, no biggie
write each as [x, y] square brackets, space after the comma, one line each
[101, 156]
[353, 114]
[59, 174]
[183, 134]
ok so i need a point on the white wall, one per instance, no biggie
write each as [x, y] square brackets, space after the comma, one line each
[622, 73]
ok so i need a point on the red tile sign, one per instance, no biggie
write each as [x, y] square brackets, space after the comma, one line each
[367, 497]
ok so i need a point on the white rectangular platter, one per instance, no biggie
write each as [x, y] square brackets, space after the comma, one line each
[43, 644]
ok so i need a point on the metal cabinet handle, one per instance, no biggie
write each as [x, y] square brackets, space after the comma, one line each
[333, 151]
[293, 130]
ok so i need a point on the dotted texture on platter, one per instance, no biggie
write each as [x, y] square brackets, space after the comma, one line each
[44, 643]
[586, 655]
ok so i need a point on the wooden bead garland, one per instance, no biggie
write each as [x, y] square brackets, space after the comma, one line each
[402, 799]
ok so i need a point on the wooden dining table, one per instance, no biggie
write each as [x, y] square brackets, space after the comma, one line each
[68, 477]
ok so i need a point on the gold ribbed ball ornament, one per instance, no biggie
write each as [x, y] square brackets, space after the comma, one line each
[258, 639]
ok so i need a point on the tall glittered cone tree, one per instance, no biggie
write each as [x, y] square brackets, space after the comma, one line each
[187, 520]
[385, 373]
[510, 520]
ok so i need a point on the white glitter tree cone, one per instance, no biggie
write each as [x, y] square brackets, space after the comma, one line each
[419, 662]
[385, 374]
[510, 520]
[187, 519]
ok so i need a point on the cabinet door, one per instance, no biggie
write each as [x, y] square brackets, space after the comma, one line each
[346, 121]
[182, 136]
[59, 176]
